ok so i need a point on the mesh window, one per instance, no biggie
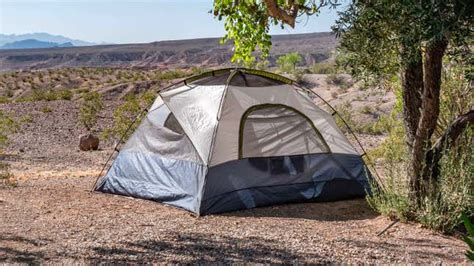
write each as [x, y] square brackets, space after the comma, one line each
[277, 130]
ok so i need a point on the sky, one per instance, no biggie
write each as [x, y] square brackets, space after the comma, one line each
[128, 21]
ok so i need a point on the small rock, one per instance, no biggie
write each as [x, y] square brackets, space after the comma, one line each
[88, 142]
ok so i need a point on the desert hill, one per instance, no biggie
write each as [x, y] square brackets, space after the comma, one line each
[314, 47]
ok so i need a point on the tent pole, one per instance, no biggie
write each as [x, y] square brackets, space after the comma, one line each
[388, 227]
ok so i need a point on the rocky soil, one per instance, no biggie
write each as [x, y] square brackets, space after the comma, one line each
[49, 214]
[59, 220]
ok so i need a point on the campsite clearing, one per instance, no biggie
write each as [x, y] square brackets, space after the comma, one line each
[51, 215]
[57, 219]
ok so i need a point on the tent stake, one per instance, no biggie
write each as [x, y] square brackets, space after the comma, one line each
[388, 227]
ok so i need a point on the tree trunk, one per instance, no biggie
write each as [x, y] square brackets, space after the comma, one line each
[432, 66]
[412, 89]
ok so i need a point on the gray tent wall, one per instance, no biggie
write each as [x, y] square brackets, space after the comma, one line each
[153, 162]
[171, 160]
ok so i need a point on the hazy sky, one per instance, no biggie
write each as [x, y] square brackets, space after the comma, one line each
[127, 21]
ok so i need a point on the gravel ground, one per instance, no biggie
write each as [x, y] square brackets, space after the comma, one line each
[59, 220]
[51, 216]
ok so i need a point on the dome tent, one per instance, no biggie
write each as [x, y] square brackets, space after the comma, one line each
[234, 139]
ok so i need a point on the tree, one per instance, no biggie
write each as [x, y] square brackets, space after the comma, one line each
[410, 38]
[287, 63]
[379, 38]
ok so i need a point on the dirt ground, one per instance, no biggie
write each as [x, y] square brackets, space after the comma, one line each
[51, 216]
[57, 219]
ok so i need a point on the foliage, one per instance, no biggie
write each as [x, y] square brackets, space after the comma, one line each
[323, 68]
[287, 63]
[47, 95]
[4, 99]
[173, 74]
[90, 107]
[382, 125]
[7, 126]
[457, 96]
[6, 177]
[453, 194]
[247, 23]
[469, 239]
[262, 64]
[128, 116]
[447, 197]
[338, 80]
[373, 33]
[46, 109]
[63, 83]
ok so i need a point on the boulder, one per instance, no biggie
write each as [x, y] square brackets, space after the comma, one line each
[88, 142]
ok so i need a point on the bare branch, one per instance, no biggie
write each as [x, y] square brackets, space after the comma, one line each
[276, 12]
[446, 141]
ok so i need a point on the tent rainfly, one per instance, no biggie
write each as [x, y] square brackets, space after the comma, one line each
[235, 139]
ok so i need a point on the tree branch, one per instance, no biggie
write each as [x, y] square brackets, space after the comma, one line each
[446, 141]
[276, 12]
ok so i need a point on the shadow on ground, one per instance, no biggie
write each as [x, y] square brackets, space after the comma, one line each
[172, 247]
[199, 248]
[357, 209]
[22, 254]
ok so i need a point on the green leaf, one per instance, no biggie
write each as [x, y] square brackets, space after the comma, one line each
[469, 242]
[468, 224]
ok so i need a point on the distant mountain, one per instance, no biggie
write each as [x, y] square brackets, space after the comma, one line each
[43, 37]
[34, 44]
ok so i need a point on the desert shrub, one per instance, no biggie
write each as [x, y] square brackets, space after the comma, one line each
[298, 75]
[6, 177]
[89, 110]
[9, 93]
[453, 194]
[171, 74]
[380, 126]
[46, 95]
[338, 80]
[46, 109]
[4, 99]
[323, 68]
[287, 63]
[26, 119]
[8, 126]
[128, 116]
[65, 95]
[262, 64]
[82, 90]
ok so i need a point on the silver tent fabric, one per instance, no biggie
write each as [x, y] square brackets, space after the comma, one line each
[203, 147]
[157, 163]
